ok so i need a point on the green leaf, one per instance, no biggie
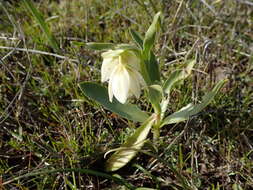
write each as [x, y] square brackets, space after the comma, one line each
[155, 96]
[150, 62]
[130, 148]
[153, 68]
[150, 36]
[190, 110]
[108, 46]
[99, 46]
[43, 25]
[126, 47]
[177, 76]
[100, 95]
[150, 70]
[137, 38]
[78, 44]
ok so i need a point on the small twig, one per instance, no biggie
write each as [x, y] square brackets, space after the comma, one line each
[241, 53]
[39, 52]
[9, 38]
[177, 13]
[74, 39]
[8, 54]
[245, 2]
[144, 7]
[245, 138]
[126, 17]
[6, 114]
[209, 7]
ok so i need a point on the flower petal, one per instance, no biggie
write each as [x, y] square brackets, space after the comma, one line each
[120, 83]
[107, 67]
[140, 79]
[110, 93]
[130, 59]
[135, 83]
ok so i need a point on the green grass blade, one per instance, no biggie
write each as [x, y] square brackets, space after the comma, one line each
[85, 171]
[148, 173]
[43, 25]
[179, 176]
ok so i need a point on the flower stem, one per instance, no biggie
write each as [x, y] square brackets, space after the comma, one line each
[156, 127]
[156, 133]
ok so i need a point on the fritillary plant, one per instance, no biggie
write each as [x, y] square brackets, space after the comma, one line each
[129, 70]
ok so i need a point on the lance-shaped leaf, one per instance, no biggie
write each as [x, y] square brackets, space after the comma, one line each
[108, 46]
[130, 148]
[150, 62]
[127, 47]
[150, 35]
[150, 70]
[99, 46]
[153, 68]
[137, 38]
[100, 94]
[177, 76]
[190, 110]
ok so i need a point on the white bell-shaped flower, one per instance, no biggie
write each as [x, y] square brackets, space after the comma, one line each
[122, 69]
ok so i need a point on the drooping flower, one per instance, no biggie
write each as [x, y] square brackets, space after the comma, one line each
[122, 69]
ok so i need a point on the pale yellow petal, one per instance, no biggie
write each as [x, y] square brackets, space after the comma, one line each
[130, 59]
[110, 93]
[120, 84]
[141, 79]
[135, 88]
[107, 67]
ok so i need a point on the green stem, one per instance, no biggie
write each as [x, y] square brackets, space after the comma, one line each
[160, 115]
[156, 127]
[156, 132]
[164, 105]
